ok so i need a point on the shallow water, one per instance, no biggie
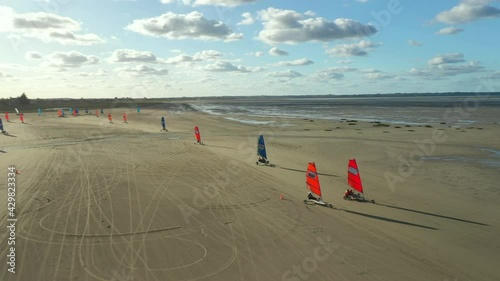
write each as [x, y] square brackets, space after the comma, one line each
[415, 110]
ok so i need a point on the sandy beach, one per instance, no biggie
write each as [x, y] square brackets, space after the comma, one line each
[127, 201]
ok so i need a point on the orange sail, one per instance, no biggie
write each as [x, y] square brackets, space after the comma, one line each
[59, 113]
[197, 134]
[96, 113]
[125, 117]
[110, 118]
[353, 178]
[312, 179]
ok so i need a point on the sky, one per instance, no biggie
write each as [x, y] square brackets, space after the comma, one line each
[189, 48]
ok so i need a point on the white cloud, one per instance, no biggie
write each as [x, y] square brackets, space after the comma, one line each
[288, 26]
[207, 55]
[247, 19]
[414, 43]
[5, 75]
[224, 66]
[455, 69]
[226, 3]
[310, 13]
[234, 37]
[285, 74]
[468, 11]
[72, 59]
[128, 55]
[180, 59]
[297, 62]
[362, 48]
[141, 70]
[446, 58]
[33, 56]
[344, 61]
[277, 52]
[180, 26]
[256, 54]
[46, 27]
[378, 76]
[449, 31]
[328, 74]
[446, 65]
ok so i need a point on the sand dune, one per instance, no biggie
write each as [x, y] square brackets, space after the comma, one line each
[126, 201]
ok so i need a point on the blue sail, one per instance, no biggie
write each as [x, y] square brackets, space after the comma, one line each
[261, 147]
[1, 125]
[138, 109]
[39, 111]
[163, 125]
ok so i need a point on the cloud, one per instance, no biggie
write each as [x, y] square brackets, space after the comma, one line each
[256, 54]
[72, 59]
[362, 48]
[468, 11]
[181, 26]
[414, 43]
[207, 55]
[378, 76]
[344, 61]
[285, 74]
[445, 66]
[33, 56]
[277, 52]
[449, 31]
[141, 70]
[224, 66]
[226, 3]
[455, 69]
[297, 62]
[328, 74]
[180, 59]
[128, 55]
[247, 19]
[446, 58]
[5, 75]
[288, 26]
[46, 27]
[234, 37]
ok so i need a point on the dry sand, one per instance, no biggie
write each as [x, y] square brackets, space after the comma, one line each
[100, 201]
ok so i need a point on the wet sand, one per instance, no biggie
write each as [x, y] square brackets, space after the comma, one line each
[126, 201]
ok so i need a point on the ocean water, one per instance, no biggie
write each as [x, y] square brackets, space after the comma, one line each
[454, 111]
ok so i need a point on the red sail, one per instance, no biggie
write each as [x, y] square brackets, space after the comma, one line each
[124, 117]
[21, 117]
[312, 179]
[197, 134]
[353, 178]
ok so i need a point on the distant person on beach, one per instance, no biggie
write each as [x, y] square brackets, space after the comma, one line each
[348, 193]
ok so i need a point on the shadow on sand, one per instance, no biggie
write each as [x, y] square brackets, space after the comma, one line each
[389, 220]
[303, 171]
[9, 135]
[3, 151]
[431, 214]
